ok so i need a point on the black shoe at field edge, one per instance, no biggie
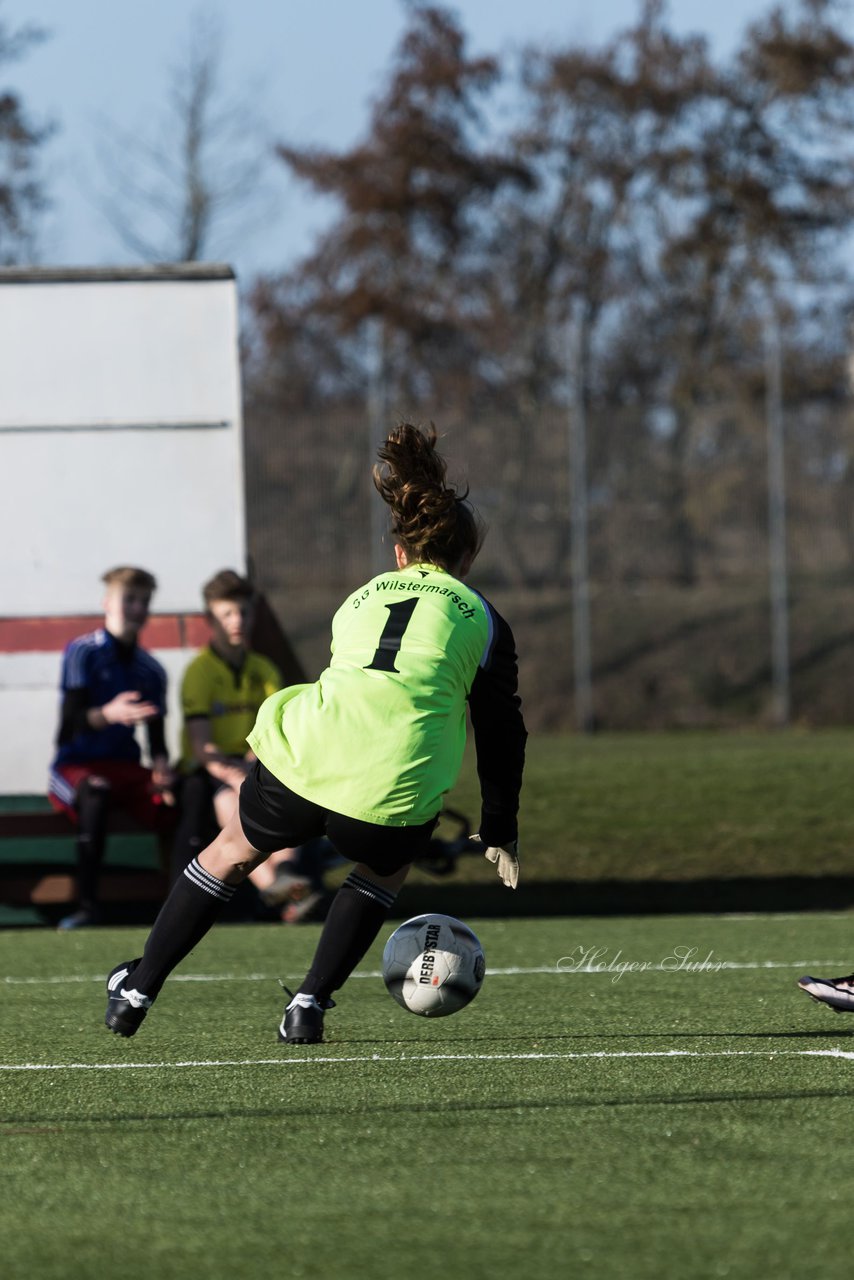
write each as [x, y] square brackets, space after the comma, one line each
[126, 1008]
[836, 993]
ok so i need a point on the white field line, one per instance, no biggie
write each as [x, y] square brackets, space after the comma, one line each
[415, 1058]
[565, 970]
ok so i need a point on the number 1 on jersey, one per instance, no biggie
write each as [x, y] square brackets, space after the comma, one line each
[392, 634]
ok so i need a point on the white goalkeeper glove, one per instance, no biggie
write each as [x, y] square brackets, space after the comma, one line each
[507, 857]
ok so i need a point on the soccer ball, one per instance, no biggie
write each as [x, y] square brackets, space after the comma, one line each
[433, 965]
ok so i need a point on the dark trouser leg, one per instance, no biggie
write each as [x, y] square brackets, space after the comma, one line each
[197, 823]
[92, 805]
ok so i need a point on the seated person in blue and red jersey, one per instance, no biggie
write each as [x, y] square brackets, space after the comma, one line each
[109, 686]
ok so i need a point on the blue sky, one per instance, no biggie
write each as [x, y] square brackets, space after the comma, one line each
[311, 67]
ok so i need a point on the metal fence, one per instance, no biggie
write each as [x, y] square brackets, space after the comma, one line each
[677, 523]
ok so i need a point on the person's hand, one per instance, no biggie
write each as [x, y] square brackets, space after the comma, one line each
[507, 858]
[162, 774]
[129, 708]
[230, 772]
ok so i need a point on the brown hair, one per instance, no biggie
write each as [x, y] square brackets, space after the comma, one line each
[227, 585]
[430, 519]
[125, 575]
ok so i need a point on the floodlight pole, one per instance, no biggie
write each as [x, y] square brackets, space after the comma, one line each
[583, 681]
[377, 431]
[777, 564]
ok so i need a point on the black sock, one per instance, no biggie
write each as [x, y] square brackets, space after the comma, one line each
[194, 902]
[355, 918]
[92, 804]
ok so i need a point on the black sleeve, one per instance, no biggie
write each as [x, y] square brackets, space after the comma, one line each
[499, 736]
[156, 737]
[74, 716]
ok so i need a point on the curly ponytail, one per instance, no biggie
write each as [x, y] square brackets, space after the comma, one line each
[432, 522]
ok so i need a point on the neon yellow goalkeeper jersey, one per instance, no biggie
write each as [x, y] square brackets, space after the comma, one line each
[380, 735]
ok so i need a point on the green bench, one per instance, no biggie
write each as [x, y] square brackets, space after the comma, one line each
[37, 860]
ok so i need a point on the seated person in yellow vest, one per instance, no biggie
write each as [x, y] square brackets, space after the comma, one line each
[222, 689]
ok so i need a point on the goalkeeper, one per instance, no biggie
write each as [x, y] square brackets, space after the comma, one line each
[366, 753]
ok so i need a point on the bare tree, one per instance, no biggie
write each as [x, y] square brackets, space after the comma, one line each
[22, 197]
[671, 192]
[182, 188]
[412, 199]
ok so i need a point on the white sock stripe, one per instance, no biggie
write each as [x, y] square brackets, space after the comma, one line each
[205, 875]
[383, 896]
[208, 881]
[204, 880]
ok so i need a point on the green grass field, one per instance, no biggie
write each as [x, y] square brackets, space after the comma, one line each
[677, 806]
[602, 1109]
[682, 805]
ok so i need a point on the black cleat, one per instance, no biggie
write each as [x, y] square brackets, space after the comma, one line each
[837, 993]
[302, 1021]
[126, 1007]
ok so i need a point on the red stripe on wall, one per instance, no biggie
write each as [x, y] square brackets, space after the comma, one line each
[51, 635]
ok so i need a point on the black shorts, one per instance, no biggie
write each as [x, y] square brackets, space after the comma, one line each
[274, 817]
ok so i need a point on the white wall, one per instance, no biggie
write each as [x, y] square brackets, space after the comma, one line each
[120, 443]
[120, 438]
[77, 503]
